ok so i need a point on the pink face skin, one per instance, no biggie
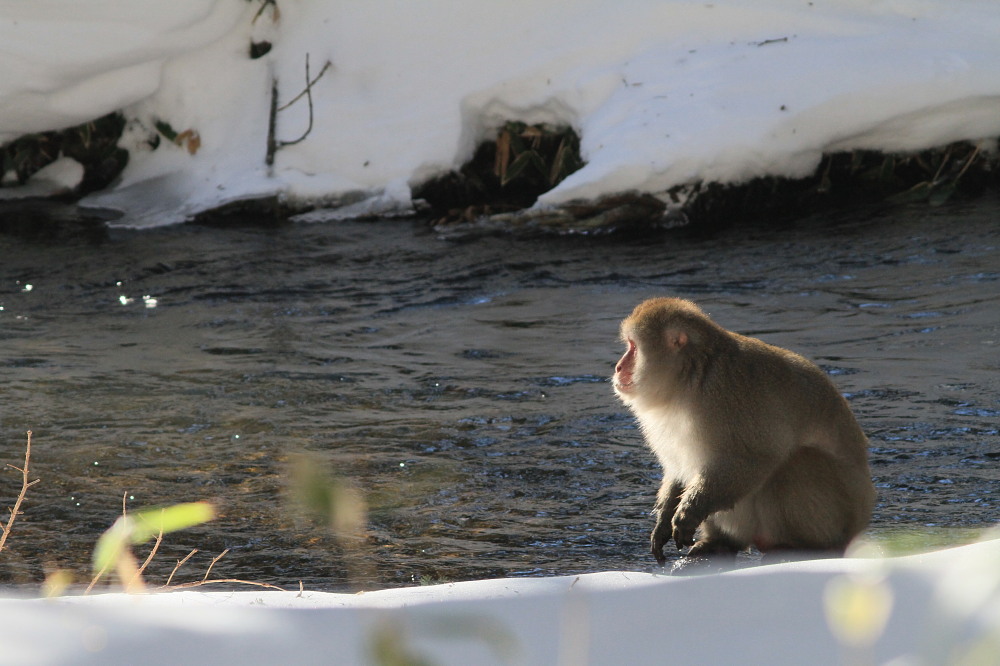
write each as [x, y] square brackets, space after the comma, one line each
[624, 369]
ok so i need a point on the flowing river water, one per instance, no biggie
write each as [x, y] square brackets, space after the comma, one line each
[461, 386]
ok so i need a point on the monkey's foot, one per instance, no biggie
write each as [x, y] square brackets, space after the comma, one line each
[714, 546]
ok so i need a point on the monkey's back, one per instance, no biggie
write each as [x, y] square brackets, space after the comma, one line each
[776, 388]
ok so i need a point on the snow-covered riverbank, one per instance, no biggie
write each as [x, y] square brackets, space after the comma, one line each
[661, 93]
[942, 608]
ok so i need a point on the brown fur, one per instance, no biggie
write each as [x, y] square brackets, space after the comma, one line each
[757, 445]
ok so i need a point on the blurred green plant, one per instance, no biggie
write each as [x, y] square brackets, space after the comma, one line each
[336, 505]
[328, 500]
[857, 610]
[114, 548]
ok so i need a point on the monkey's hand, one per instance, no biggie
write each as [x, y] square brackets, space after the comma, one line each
[685, 523]
[659, 538]
[668, 499]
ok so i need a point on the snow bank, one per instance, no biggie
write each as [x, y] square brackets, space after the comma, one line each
[944, 607]
[662, 92]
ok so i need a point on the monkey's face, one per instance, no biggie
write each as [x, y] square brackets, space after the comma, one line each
[624, 377]
[645, 376]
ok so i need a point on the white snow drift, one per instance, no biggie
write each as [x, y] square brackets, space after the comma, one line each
[662, 92]
[938, 608]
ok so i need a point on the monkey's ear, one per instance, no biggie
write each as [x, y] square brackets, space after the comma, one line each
[676, 339]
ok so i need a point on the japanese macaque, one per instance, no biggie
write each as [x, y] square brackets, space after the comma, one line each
[757, 446]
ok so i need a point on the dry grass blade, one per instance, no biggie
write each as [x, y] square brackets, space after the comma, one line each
[25, 484]
[968, 163]
[502, 159]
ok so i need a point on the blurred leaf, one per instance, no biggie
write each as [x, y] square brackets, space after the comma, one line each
[56, 583]
[144, 525]
[166, 130]
[328, 500]
[150, 522]
[387, 646]
[857, 609]
[112, 543]
[189, 139]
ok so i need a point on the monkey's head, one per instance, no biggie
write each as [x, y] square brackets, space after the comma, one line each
[663, 338]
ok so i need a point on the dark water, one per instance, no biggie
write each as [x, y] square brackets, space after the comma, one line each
[461, 386]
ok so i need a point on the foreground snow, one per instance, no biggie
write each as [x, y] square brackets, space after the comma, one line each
[945, 606]
[662, 92]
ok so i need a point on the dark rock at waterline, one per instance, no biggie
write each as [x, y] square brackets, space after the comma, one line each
[630, 212]
[47, 220]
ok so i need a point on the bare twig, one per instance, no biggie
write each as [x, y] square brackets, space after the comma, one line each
[94, 580]
[309, 84]
[206, 580]
[25, 484]
[179, 564]
[214, 560]
[308, 93]
[149, 558]
[199, 583]
[263, 6]
[272, 143]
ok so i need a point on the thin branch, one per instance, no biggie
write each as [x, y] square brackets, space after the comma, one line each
[214, 560]
[309, 98]
[25, 484]
[263, 6]
[199, 583]
[309, 84]
[94, 580]
[179, 564]
[149, 558]
[272, 143]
